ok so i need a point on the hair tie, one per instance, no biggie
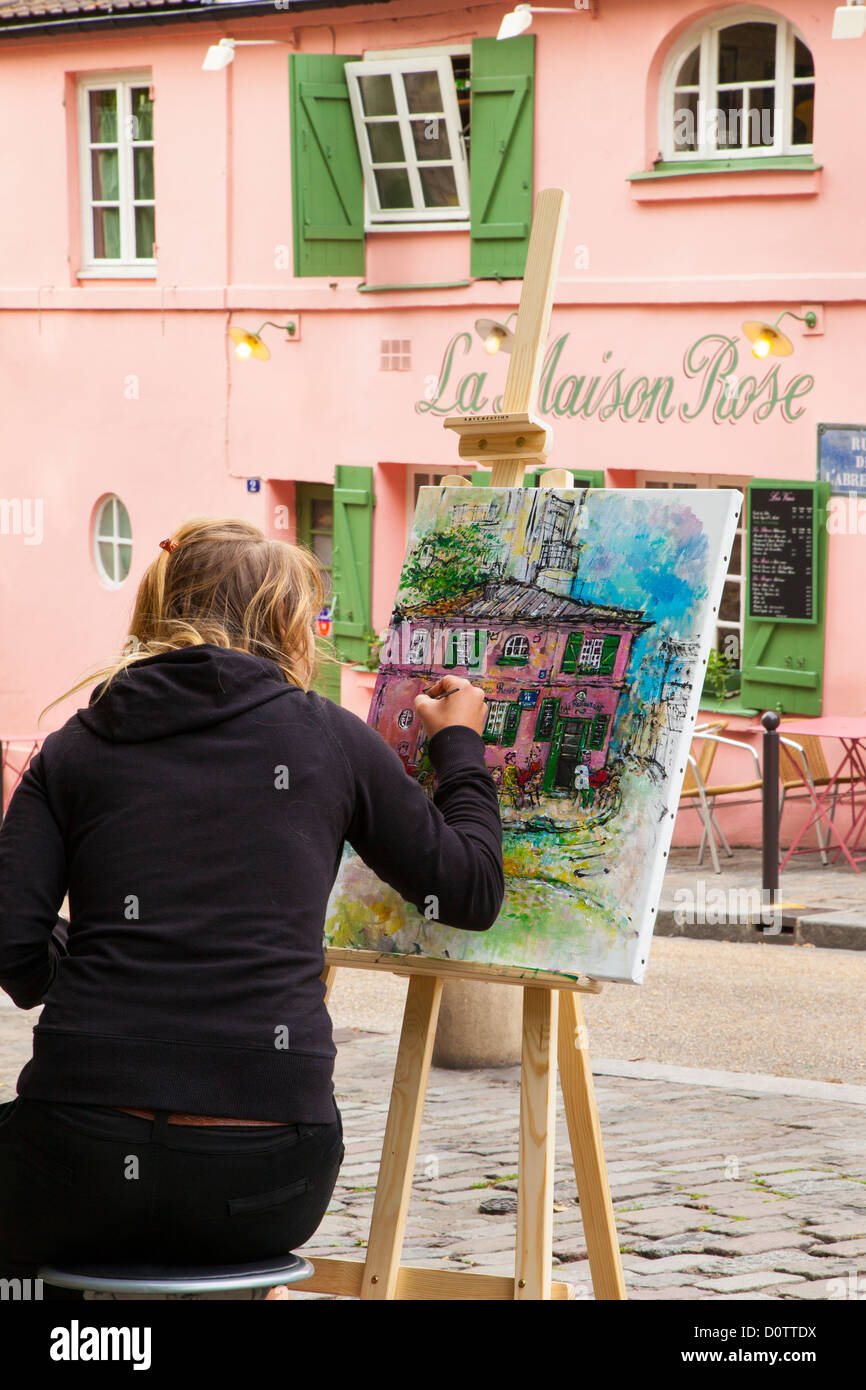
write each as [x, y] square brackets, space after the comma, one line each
[168, 545]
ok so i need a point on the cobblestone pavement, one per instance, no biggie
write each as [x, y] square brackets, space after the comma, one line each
[718, 1194]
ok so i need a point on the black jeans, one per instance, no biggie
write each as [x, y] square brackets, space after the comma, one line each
[83, 1183]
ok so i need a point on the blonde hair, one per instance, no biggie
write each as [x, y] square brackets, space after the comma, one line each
[226, 583]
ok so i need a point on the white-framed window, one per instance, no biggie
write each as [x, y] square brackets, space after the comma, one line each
[118, 206]
[112, 541]
[729, 621]
[741, 84]
[419, 648]
[516, 648]
[495, 718]
[590, 653]
[412, 123]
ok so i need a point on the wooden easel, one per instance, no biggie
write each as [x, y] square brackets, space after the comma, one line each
[552, 1016]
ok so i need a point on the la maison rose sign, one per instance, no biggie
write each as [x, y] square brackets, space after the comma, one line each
[712, 382]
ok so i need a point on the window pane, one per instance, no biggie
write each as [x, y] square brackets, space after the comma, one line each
[143, 167]
[804, 102]
[803, 64]
[103, 117]
[729, 125]
[377, 95]
[431, 139]
[729, 608]
[106, 555]
[689, 72]
[686, 122]
[734, 566]
[123, 526]
[423, 92]
[106, 233]
[145, 232]
[142, 114]
[386, 143]
[124, 559]
[321, 514]
[104, 166]
[439, 186]
[747, 53]
[323, 548]
[762, 122]
[106, 518]
[393, 188]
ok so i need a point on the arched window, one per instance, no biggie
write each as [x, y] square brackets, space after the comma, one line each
[740, 85]
[516, 649]
[112, 541]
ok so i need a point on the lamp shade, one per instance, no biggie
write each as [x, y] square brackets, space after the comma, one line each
[766, 340]
[849, 22]
[515, 22]
[248, 344]
[495, 335]
[219, 55]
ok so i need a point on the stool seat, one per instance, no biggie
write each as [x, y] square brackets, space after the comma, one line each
[153, 1278]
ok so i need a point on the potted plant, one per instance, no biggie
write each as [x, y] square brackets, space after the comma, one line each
[722, 679]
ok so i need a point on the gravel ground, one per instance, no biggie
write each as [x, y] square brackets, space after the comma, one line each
[781, 1010]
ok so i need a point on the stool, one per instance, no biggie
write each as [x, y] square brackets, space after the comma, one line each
[195, 1279]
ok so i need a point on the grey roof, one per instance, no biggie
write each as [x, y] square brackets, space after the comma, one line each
[23, 16]
[514, 602]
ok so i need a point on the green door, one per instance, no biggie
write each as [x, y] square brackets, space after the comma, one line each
[315, 530]
[569, 741]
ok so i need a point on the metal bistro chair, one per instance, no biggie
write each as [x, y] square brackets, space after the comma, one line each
[695, 787]
[139, 1280]
[802, 764]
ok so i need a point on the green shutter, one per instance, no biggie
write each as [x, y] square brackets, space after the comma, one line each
[589, 477]
[501, 121]
[327, 180]
[480, 477]
[783, 658]
[512, 720]
[599, 731]
[572, 652]
[609, 649]
[353, 535]
[450, 656]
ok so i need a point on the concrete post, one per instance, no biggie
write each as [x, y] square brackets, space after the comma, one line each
[480, 1025]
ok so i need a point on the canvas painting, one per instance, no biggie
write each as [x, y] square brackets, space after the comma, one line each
[587, 616]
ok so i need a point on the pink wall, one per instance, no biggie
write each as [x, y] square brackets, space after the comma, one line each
[128, 386]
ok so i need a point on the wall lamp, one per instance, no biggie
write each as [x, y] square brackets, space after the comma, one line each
[520, 18]
[495, 336]
[766, 339]
[849, 21]
[219, 55]
[251, 344]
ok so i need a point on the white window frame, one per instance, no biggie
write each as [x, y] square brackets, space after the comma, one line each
[128, 265]
[496, 718]
[590, 652]
[705, 35]
[376, 218]
[517, 639]
[419, 647]
[114, 539]
[676, 481]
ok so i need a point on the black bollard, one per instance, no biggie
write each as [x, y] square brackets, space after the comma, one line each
[770, 869]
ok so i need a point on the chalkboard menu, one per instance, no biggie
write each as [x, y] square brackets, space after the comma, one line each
[782, 553]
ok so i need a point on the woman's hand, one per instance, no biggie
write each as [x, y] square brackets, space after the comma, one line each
[452, 700]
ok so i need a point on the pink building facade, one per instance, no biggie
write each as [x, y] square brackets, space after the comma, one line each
[360, 178]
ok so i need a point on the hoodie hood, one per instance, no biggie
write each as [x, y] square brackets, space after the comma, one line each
[180, 691]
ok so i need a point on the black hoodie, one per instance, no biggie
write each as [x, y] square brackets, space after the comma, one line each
[196, 816]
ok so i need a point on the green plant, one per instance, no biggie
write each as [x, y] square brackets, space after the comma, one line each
[375, 642]
[719, 667]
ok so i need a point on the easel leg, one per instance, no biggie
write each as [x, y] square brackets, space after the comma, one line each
[329, 975]
[587, 1153]
[400, 1148]
[534, 1252]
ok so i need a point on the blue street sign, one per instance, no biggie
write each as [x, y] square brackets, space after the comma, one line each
[254, 484]
[842, 457]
